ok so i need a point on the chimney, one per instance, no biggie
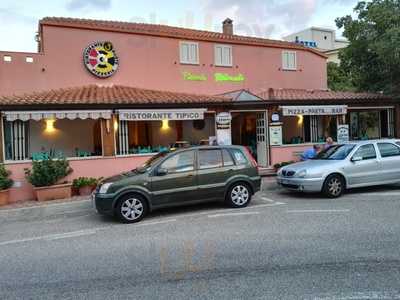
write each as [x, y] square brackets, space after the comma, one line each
[227, 26]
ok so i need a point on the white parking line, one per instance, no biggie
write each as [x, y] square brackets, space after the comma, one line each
[70, 234]
[381, 194]
[155, 222]
[233, 214]
[301, 211]
[268, 199]
[51, 237]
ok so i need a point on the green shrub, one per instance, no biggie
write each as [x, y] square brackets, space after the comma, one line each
[47, 172]
[85, 181]
[5, 181]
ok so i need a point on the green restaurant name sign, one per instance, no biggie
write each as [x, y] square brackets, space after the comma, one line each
[228, 78]
[194, 77]
[218, 77]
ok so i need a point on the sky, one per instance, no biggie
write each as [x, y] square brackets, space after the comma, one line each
[263, 18]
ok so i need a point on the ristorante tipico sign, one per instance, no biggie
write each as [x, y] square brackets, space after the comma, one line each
[159, 115]
[100, 59]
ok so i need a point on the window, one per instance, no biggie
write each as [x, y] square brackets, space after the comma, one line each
[189, 53]
[240, 158]
[16, 137]
[289, 61]
[29, 59]
[366, 152]
[223, 55]
[210, 159]
[181, 162]
[7, 58]
[228, 161]
[388, 149]
[336, 152]
[365, 125]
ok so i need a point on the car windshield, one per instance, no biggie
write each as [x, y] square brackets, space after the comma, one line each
[151, 161]
[336, 152]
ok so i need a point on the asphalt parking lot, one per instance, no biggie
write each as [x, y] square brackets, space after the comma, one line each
[284, 245]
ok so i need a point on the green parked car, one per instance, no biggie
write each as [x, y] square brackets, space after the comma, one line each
[187, 176]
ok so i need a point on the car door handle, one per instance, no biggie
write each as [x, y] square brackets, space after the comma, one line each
[190, 175]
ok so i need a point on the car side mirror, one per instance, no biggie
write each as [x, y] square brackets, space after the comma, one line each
[356, 158]
[162, 172]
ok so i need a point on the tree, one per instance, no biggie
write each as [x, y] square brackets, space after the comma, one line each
[338, 79]
[372, 58]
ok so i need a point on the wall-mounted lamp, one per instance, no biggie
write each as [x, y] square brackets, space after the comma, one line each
[300, 120]
[165, 125]
[115, 125]
[50, 125]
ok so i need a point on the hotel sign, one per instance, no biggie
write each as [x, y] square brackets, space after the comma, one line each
[314, 110]
[159, 115]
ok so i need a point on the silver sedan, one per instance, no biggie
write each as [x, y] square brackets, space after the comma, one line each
[344, 166]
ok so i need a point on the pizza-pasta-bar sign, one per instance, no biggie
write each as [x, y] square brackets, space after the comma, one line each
[314, 110]
[159, 115]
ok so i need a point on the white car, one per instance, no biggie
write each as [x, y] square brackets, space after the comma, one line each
[345, 166]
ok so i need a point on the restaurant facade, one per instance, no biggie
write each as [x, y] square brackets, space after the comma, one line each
[109, 95]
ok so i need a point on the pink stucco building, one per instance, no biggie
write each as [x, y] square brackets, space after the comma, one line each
[107, 95]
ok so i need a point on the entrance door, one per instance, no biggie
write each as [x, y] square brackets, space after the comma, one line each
[261, 133]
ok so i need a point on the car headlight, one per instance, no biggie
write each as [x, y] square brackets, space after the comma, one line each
[279, 173]
[301, 173]
[104, 187]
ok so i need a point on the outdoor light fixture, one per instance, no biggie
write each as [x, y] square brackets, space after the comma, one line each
[115, 125]
[50, 125]
[165, 125]
[300, 120]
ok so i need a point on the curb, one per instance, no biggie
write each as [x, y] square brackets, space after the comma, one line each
[30, 213]
[269, 184]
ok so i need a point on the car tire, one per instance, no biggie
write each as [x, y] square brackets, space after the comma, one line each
[131, 208]
[239, 195]
[334, 186]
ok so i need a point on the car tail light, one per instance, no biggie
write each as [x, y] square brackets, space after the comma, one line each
[252, 160]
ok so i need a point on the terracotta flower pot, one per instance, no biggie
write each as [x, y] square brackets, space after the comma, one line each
[58, 191]
[4, 195]
[85, 190]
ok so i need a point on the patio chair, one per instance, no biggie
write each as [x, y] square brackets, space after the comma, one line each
[40, 156]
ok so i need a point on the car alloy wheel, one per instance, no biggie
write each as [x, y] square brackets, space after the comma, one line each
[132, 209]
[239, 195]
[334, 186]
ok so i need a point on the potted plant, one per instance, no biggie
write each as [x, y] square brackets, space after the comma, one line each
[85, 185]
[5, 183]
[46, 176]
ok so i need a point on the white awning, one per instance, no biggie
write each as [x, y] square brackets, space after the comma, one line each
[161, 114]
[314, 110]
[59, 114]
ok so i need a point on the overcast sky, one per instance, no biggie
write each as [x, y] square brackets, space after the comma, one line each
[265, 18]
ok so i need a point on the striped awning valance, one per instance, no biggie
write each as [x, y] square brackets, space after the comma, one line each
[60, 114]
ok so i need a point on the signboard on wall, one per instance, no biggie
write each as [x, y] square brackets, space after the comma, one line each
[159, 115]
[343, 133]
[275, 135]
[314, 110]
[223, 124]
[100, 59]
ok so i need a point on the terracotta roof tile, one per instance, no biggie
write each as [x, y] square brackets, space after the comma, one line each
[170, 31]
[287, 95]
[115, 94]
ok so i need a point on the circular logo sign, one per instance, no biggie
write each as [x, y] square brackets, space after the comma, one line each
[100, 59]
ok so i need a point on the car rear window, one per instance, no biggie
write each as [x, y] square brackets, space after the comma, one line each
[210, 159]
[388, 149]
[228, 161]
[239, 156]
